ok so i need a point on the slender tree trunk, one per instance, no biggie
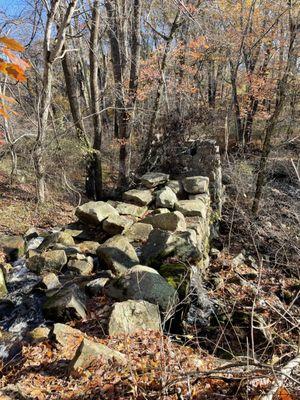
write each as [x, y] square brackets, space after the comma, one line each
[73, 97]
[125, 146]
[94, 184]
[52, 50]
[271, 124]
[119, 60]
[151, 137]
[236, 105]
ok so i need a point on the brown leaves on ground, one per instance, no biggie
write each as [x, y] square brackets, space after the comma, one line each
[19, 210]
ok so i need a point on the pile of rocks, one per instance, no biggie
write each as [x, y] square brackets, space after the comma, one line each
[144, 252]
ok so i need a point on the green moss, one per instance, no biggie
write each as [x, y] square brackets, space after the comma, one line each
[177, 275]
[215, 216]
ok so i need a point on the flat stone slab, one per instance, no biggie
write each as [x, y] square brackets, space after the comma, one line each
[116, 224]
[196, 184]
[192, 208]
[65, 335]
[172, 221]
[138, 232]
[90, 352]
[94, 212]
[153, 179]
[140, 197]
[129, 209]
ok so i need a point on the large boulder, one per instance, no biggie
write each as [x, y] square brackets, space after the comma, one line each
[94, 212]
[166, 198]
[117, 254]
[140, 197]
[66, 304]
[153, 179]
[90, 352]
[172, 221]
[196, 184]
[143, 283]
[163, 244]
[116, 224]
[192, 208]
[12, 246]
[132, 316]
[51, 260]
[138, 232]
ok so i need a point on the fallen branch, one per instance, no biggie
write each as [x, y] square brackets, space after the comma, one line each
[283, 375]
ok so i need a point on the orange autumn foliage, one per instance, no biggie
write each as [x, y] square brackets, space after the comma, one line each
[11, 65]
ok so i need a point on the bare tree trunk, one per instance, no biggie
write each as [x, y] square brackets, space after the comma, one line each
[119, 60]
[94, 184]
[51, 53]
[125, 146]
[236, 104]
[73, 97]
[271, 124]
[151, 137]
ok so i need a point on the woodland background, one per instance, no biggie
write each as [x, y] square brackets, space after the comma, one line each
[101, 91]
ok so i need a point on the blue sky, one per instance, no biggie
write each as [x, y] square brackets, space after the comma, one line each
[12, 7]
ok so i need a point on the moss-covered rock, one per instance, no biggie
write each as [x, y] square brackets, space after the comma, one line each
[178, 276]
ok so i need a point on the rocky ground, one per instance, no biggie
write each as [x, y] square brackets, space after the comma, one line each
[135, 301]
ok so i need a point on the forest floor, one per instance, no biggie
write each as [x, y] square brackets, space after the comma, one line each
[258, 298]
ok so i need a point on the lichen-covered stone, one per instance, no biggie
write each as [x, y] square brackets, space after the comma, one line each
[88, 247]
[65, 238]
[196, 184]
[12, 246]
[95, 212]
[131, 316]
[117, 254]
[163, 244]
[166, 198]
[140, 197]
[178, 276]
[143, 283]
[129, 209]
[138, 232]
[51, 260]
[192, 208]
[176, 187]
[153, 179]
[50, 281]
[39, 333]
[173, 221]
[81, 267]
[116, 224]
[66, 304]
[65, 335]
[91, 352]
